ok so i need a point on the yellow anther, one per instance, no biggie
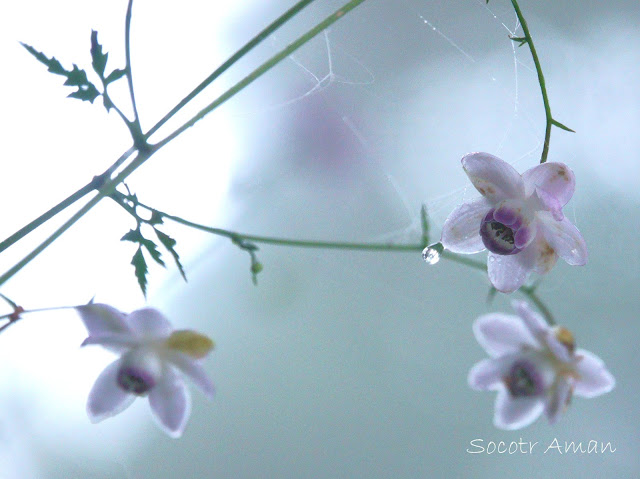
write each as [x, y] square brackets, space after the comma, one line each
[190, 342]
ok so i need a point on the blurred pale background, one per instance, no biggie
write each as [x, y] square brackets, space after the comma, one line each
[338, 364]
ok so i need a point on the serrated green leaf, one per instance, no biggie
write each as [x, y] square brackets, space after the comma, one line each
[141, 270]
[53, 64]
[98, 58]
[132, 235]
[521, 40]
[76, 77]
[561, 126]
[89, 94]
[152, 249]
[135, 236]
[156, 218]
[169, 243]
[114, 75]
[86, 90]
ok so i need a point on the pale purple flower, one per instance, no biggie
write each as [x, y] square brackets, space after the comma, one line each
[151, 354]
[518, 219]
[534, 367]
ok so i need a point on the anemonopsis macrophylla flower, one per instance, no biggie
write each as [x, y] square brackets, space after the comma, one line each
[534, 367]
[518, 219]
[152, 354]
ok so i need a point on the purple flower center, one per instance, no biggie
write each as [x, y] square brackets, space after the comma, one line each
[503, 232]
[135, 380]
[523, 380]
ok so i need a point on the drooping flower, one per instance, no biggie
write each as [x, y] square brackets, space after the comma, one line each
[534, 367]
[151, 354]
[518, 219]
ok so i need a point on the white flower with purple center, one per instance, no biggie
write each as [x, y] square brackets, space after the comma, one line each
[534, 367]
[518, 219]
[151, 354]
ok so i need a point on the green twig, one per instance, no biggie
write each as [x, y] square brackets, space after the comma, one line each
[25, 230]
[127, 52]
[543, 88]
[239, 238]
[145, 151]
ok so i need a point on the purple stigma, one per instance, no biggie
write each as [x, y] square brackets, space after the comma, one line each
[134, 380]
[524, 380]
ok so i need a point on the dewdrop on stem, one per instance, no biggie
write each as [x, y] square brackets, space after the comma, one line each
[431, 254]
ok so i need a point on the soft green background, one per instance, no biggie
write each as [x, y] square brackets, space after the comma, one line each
[339, 364]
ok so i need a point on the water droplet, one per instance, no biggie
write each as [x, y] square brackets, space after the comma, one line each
[430, 255]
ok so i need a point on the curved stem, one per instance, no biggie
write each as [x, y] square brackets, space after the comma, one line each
[543, 88]
[127, 51]
[281, 20]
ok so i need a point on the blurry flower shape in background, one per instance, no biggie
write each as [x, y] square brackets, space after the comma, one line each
[518, 219]
[150, 353]
[534, 367]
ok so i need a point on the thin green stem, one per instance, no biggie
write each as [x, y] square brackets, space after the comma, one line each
[456, 258]
[127, 52]
[105, 190]
[543, 87]
[281, 20]
[25, 230]
[240, 237]
[262, 69]
[11, 316]
[145, 151]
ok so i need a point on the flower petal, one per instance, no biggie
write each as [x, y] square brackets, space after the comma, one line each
[194, 370]
[488, 374]
[508, 273]
[534, 322]
[149, 323]
[117, 342]
[461, 230]
[170, 403]
[559, 349]
[106, 399]
[494, 178]
[101, 319]
[501, 334]
[515, 413]
[557, 403]
[556, 179]
[564, 238]
[546, 256]
[546, 201]
[594, 378]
